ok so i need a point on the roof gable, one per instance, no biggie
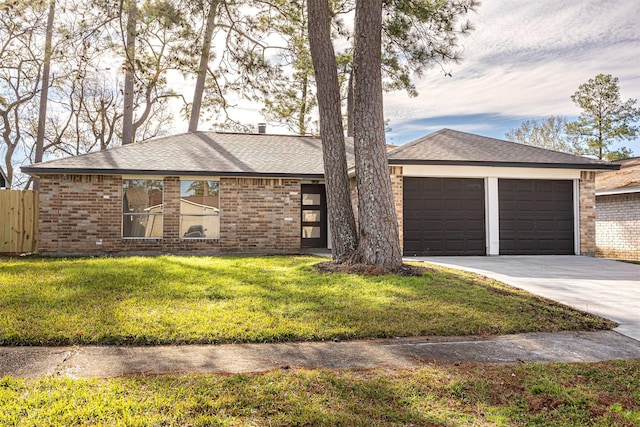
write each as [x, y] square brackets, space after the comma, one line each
[460, 148]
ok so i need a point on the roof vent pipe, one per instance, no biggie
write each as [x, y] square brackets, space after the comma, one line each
[262, 128]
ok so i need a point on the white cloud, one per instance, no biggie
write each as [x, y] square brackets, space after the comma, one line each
[526, 59]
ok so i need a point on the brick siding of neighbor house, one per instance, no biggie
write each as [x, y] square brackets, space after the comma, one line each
[618, 226]
[82, 214]
[587, 194]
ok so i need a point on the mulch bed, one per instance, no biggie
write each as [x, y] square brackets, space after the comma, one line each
[370, 270]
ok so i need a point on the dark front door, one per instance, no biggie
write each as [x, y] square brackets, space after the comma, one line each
[444, 216]
[313, 211]
[536, 217]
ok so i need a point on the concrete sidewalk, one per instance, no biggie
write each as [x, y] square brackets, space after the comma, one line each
[113, 361]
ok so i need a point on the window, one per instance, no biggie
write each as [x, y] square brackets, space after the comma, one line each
[142, 208]
[200, 209]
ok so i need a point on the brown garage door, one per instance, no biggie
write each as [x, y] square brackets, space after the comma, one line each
[444, 216]
[536, 217]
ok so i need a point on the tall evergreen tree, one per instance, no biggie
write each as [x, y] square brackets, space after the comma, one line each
[379, 242]
[604, 118]
[344, 238]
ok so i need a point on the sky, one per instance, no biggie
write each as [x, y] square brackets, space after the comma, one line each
[524, 61]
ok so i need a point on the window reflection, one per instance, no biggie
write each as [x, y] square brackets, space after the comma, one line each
[142, 208]
[200, 209]
[310, 232]
[311, 199]
[311, 216]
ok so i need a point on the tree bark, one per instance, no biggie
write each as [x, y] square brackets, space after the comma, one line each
[379, 242]
[130, 53]
[44, 92]
[342, 221]
[196, 106]
[350, 106]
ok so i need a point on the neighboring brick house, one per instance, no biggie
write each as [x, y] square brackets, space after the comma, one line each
[618, 212]
[455, 194]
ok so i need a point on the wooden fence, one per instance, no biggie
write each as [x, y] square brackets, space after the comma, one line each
[18, 222]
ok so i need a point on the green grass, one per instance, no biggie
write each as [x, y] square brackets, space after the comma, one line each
[592, 394]
[171, 299]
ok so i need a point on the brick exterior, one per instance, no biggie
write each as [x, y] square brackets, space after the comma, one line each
[260, 214]
[82, 214]
[397, 186]
[618, 226]
[587, 194]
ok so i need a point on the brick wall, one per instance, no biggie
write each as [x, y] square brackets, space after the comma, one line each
[618, 226]
[82, 214]
[587, 193]
[260, 214]
[77, 211]
[397, 190]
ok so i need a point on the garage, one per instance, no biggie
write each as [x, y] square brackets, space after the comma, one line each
[536, 217]
[444, 216]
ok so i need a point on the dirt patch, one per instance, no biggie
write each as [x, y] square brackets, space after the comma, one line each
[370, 270]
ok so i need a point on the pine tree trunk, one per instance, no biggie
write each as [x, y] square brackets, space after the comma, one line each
[342, 221]
[44, 92]
[203, 66]
[379, 242]
[127, 117]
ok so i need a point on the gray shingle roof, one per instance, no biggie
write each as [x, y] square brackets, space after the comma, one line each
[224, 154]
[201, 153]
[460, 148]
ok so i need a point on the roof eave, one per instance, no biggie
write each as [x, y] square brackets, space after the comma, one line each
[615, 191]
[580, 166]
[67, 171]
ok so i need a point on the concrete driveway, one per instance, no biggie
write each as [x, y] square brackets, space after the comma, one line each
[610, 289]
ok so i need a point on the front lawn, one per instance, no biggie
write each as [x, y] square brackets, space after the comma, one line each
[590, 394]
[174, 299]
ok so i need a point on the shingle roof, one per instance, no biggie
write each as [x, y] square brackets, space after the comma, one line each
[225, 154]
[460, 148]
[201, 153]
[626, 180]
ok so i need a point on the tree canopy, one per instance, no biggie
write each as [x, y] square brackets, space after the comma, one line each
[550, 133]
[105, 86]
[604, 118]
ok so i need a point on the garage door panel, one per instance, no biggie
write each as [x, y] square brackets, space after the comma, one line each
[565, 225]
[536, 217]
[444, 216]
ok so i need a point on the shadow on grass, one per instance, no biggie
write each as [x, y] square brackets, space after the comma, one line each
[180, 300]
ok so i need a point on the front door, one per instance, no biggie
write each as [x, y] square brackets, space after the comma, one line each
[313, 211]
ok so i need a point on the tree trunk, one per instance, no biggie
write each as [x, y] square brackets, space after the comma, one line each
[350, 106]
[379, 242]
[44, 92]
[343, 227]
[302, 126]
[196, 106]
[130, 56]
